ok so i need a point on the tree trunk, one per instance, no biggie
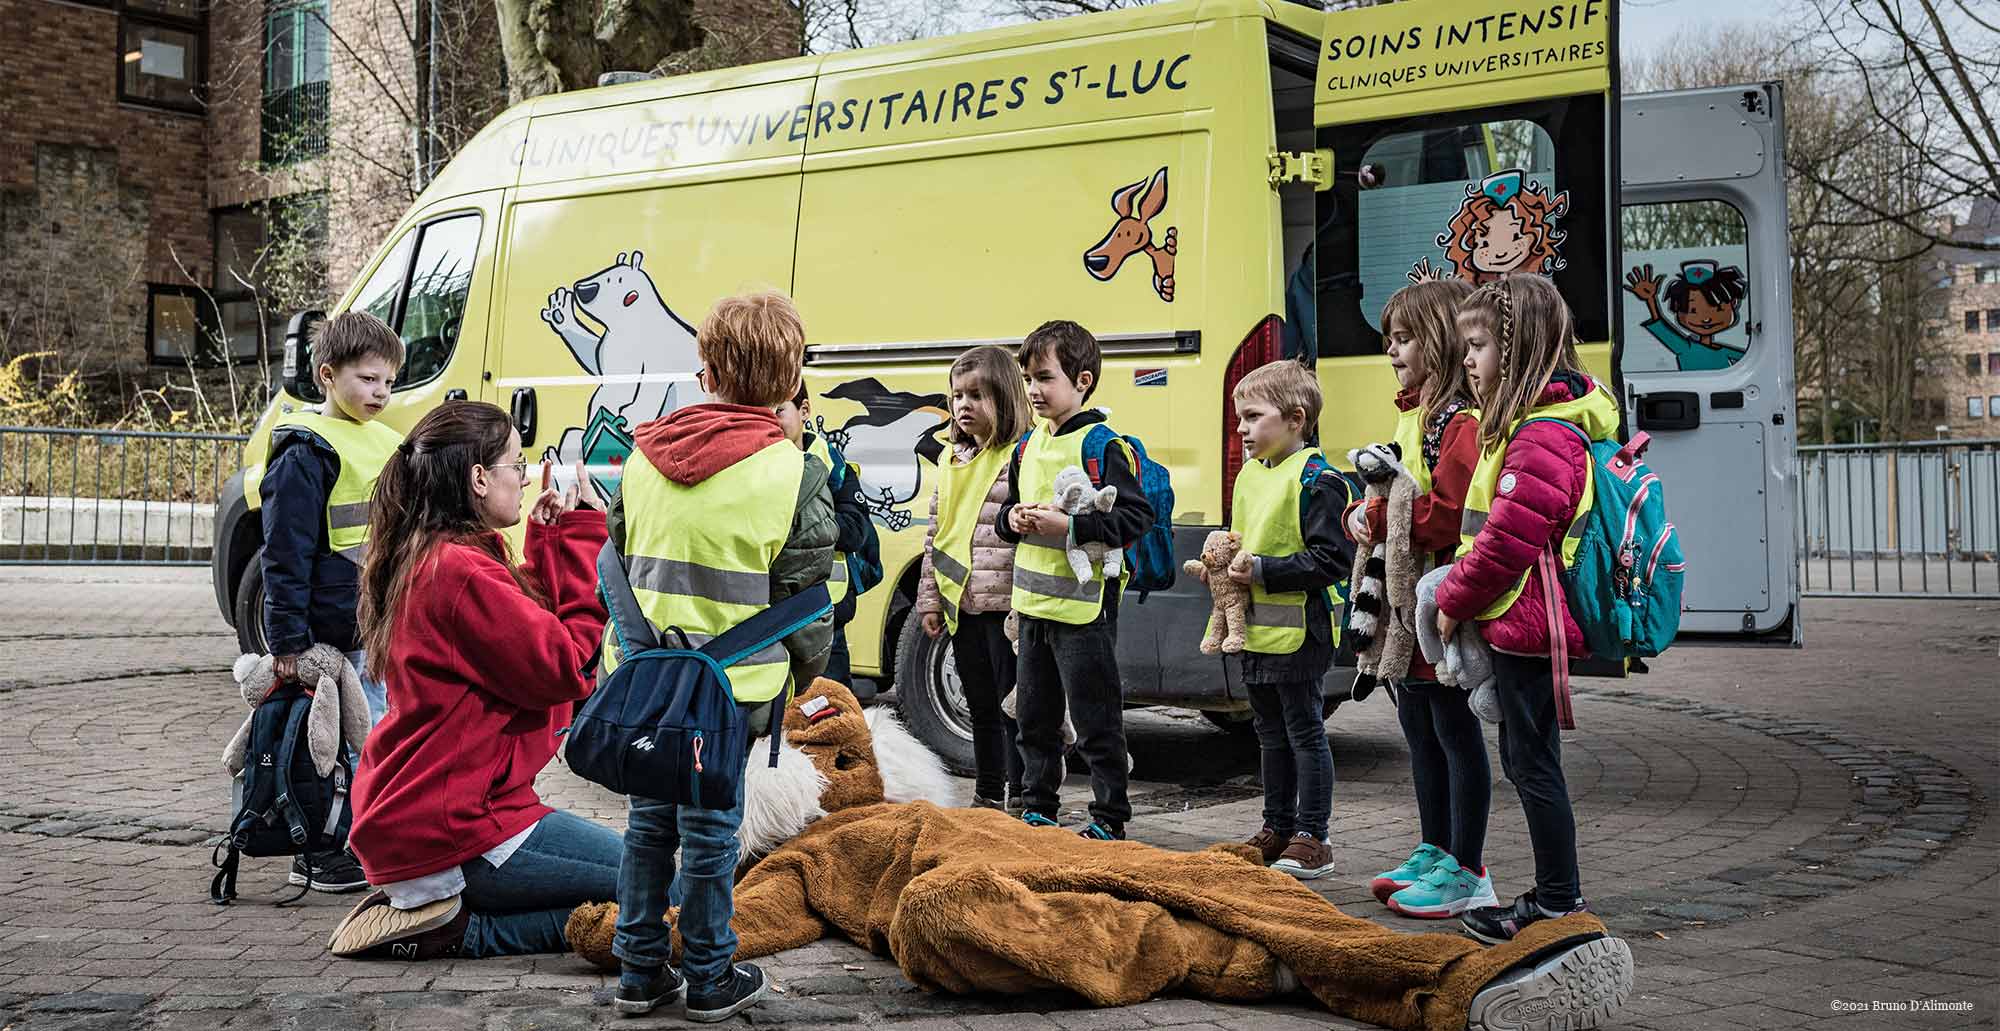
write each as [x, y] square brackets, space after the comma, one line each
[557, 45]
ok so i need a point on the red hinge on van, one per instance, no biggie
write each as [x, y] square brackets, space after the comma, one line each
[1264, 345]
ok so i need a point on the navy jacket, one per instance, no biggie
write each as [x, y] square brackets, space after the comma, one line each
[310, 594]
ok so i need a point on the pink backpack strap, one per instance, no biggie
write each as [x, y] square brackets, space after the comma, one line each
[1558, 639]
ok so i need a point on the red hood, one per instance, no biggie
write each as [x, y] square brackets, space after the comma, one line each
[694, 443]
[1408, 398]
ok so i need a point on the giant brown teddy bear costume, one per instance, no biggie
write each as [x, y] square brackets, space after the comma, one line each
[973, 900]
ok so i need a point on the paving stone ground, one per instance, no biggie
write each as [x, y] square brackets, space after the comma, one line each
[1782, 836]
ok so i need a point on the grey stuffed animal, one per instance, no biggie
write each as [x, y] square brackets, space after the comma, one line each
[339, 709]
[1075, 495]
[1465, 661]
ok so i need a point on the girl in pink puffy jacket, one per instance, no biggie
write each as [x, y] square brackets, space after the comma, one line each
[968, 575]
[1520, 355]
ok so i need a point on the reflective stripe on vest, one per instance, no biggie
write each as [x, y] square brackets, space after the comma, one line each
[699, 557]
[1044, 585]
[1485, 486]
[836, 581]
[364, 448]
[1266, 512]
[962, 491]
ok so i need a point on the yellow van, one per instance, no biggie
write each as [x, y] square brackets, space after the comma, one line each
[1208, 185]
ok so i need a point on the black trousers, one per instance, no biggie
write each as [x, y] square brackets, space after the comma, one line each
[1448, 767]
[1531, 756]
[1290, 722]
[985, 660]
[1074, 666]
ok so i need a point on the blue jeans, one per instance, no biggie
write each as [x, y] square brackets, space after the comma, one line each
[703, 887]
[1298, 763]
[519, 908]
[377, 694]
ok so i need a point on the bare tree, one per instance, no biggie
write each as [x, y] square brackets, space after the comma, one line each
[556, 45]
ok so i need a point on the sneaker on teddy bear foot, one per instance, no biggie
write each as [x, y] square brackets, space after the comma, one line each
[1573, 984]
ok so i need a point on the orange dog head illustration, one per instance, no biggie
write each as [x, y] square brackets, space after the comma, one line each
[1132, 233]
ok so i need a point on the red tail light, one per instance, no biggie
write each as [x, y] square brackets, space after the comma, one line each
[1262, 346]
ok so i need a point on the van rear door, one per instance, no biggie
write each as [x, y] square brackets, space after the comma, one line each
[1706, 358]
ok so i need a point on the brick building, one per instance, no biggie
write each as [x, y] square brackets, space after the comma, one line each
[173, 171]
[1972, 324]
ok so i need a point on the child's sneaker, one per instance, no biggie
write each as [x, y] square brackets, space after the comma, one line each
[1017, 803]
[736, 992]
[336, 872]
[643, 989]
[1268, 842]
[1496, 925]
[1389, 882]
[1447, 890]
[1034, 819]
[1306, 858]
[980, 801]
[1096, 831]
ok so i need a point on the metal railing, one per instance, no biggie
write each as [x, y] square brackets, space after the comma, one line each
[111, 497]
[1899, 520]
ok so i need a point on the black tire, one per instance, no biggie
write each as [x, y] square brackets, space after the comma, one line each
[1235, 721]
[927, 692]
[250, 607]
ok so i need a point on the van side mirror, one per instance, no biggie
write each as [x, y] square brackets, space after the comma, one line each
[298, 370]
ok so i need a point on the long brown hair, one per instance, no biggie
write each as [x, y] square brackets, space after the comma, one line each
[1536, 335]
[423, 498]
[999, 377]
[1428, 313]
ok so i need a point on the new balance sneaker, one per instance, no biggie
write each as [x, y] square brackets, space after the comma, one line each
[1035, 819]
[1447, 889]
[1097, 831]
[735, 993]
[335, 873]
[644, 989]
[376, 930]
[1268, 842]
[1305, 857]
[1496, 924]
[1389, 882]
[1576, 983]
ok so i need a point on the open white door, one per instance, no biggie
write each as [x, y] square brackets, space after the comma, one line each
[1706, 356]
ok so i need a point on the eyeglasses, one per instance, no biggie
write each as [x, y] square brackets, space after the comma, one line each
[520, 468]
[701, 377]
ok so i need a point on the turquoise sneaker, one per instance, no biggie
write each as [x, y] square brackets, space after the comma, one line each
[1420, 862]
[1447, 890]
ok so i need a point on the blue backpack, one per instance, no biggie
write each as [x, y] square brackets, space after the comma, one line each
[1150, 559]
[283, 807]
[664, 725]
[1624, 589]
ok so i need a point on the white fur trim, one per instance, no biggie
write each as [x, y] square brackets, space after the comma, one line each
[778, 804]
[911, 772]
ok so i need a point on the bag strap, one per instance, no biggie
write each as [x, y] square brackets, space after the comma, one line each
[770, 626]
[629, 625]
[1096, 441]
[287, 805]
[1558, 640]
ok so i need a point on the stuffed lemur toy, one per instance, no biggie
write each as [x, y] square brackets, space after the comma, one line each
[1385, 592]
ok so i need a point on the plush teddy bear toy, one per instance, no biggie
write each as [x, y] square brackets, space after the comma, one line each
[1385, 592]
[1229, 620]
[1074, 496]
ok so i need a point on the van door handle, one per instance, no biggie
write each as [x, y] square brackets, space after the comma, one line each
[524, 414]
[1670, 410]
[455, 394]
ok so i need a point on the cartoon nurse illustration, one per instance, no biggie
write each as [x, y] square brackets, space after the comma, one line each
[1706, 299]
[1505, 224]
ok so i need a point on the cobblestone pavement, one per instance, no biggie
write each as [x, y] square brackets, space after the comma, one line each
[1781, 835]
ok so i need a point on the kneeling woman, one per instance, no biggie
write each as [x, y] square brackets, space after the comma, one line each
[483, 660]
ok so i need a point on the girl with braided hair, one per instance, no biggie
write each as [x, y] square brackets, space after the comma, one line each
[1537, 407]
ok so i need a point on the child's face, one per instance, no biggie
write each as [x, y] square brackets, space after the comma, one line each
[358, 390]
[1051, 393]
[1482, 355]
[1267, 432]
[1703, 318]
[497, 489]
[793, 418]
[1406, 359]
[972, 409]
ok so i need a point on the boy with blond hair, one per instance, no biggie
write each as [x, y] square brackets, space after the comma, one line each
[718, 516]
[1287, 506]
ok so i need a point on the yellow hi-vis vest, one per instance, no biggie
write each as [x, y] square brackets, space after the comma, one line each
[962, 491]
[836, 581]
[699, 557]
[1410, 437]
[1044, 585]
[1266, 512]
[364, 448]
[1486, 484]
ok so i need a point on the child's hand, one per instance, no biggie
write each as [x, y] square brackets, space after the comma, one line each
[284, 669]
[934, 625]
[1239, 571]
[1357, 526]
[1447, 626]
[1044, 521]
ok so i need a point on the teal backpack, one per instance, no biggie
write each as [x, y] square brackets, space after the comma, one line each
[1624, 589]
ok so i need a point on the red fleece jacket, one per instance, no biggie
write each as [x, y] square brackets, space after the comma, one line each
[480, 678]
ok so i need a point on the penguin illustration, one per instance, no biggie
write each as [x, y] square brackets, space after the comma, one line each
[895, 434]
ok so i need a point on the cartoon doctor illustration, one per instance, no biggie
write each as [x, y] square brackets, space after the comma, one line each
[1706, 298]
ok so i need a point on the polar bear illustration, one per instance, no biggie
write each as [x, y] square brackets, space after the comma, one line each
[645, 357]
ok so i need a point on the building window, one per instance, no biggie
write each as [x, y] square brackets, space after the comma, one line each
[1993, 320]
[1993, 363]
[1975, 408]
[1993, 406]
[161, 54]
[1972, 322]
[295, 82]
[1972, 364]
[180, 326]
[1986, 274]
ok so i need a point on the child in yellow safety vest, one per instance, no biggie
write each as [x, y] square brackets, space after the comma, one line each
[967, 585]
[1069, 630]
[855, 533]
[1286, 507]
[315, 489]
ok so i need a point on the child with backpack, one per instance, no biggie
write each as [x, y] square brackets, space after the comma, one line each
[1286, 506]
[486, 659]
[718, 517]
[1528, 488]
[857, 551]
[1069, 630]
[1437, 429]
[317, 481]
[967, 583]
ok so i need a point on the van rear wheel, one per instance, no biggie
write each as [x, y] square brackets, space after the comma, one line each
[250, 607]
[931, 698]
